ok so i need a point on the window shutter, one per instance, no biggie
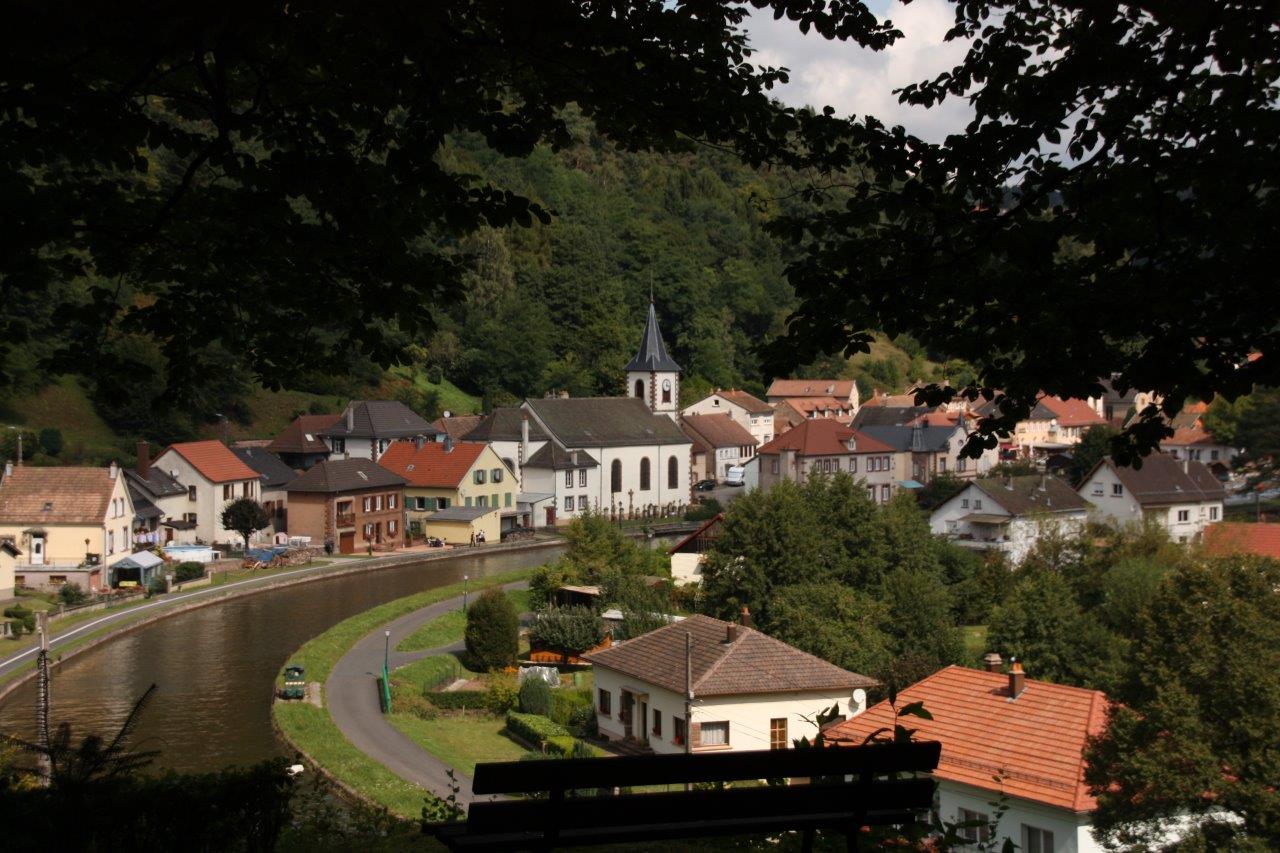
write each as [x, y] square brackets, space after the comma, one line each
[695, 735]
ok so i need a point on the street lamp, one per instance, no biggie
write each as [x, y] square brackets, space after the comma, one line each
[386, 652]
[465, 578]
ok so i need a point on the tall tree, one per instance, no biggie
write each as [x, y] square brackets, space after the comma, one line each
[1094, 444]
[246, 517]
[835, 623]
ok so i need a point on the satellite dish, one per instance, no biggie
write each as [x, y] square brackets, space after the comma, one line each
[448, 414]
[860, 698]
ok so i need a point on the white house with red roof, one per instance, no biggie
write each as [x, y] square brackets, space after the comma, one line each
[1055, 425]
[826, 446]
[751, 413]
[213, 477]
[458, 475]
[1199, 445]
[1003, 736]
[1179, 495]
[844, 390]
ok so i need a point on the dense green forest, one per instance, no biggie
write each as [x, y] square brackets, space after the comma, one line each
[555, 306]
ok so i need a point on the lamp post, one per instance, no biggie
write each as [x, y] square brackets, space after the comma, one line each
[465, 578]
[386, 651]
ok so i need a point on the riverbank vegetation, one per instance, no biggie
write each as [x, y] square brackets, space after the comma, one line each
[449, 628]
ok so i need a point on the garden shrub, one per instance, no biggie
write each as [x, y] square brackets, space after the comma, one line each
[71, 593]
[561, 746]
[16, 611]
[705, 510]
[461, 700]
[565, 702]
[418, 706]
[583, 721]
[535, 697]
[16, 628]
[501, 694]
[534, 729]
[493, 631]
[569, 630]
[23, 619]
[188, 571]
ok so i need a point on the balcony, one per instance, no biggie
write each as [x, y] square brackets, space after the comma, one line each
[346, 519]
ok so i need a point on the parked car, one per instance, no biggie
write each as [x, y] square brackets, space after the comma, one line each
[435, 542]
[704, 485]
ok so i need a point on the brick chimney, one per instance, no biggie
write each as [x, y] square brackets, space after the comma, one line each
[992, 662]
[113, 470]
[730, 633]
[1017, 679]
[745, 618]
[144, 459]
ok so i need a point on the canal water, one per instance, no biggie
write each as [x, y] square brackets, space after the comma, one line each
[215, 666]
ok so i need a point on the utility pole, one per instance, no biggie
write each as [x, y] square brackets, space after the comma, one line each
[42, 700]
[688, 698]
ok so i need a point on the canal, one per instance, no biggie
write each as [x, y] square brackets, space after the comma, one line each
[215, 666]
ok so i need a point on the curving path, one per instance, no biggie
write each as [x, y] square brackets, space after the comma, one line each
[351, 697]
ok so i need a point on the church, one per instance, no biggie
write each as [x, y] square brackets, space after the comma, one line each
[616, 455]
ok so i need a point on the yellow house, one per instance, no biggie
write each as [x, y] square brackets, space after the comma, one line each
[71, 524]
[9, 554]
[454, 489]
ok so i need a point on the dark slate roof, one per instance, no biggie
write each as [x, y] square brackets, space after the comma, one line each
[303, 435]
[380, 419]
[461, 513]
[275, 473]
[1032, 493]
[1164, 480]
[555, 457]
[345, 475]
[503, 424]
[142, 506]
[903, 438]
[605, 422]
[157, 482]
[457, 426]
[652, 354]
[870, 415]
[753, 663]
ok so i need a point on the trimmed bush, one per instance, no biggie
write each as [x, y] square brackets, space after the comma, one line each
[71, 593]
[564, 703]
[561, 746]
[493, 631]
[569, 630]
[583, 721]
[501, 695]
[188, 571]
[534, 729]
[535, 697]
[461, 700]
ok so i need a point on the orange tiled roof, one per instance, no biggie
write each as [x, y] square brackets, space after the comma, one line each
[430, 466]
[1035, 742]
[1187, 435]
[711, 431]
[943, 419]
[1236, 537]
[824, 437]
[214, 460]
[811, 388]
[1071, 412]
[73, 495]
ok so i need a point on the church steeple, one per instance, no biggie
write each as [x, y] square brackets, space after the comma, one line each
[653, 374]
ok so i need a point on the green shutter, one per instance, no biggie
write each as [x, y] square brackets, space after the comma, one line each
[468, 501]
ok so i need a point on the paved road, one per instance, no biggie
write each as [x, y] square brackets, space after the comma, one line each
[351, 696]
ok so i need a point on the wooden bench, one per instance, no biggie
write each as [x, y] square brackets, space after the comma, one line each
[860, 786]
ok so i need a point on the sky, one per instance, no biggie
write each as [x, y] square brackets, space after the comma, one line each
[861, 82]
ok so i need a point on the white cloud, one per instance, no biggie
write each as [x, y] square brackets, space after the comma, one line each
[861, 82]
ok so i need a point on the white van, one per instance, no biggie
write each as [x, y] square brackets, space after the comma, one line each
[734, 476]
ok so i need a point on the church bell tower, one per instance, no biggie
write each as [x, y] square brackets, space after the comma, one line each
[653, 374]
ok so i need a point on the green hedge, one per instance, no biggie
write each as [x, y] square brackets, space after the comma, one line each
[535, 729]
[456, 700]
[565, 702]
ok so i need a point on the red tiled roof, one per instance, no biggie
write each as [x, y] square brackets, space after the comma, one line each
[824, 437]
[73, 495]
[811, 388]
[1035, 743]
[751, 403]
[716, 431]
[303, 435]
[430, 465]
[213, 460]
[936, 419]
[819, 404]
[1073, 412]
[1185, 436]
[1236, 537]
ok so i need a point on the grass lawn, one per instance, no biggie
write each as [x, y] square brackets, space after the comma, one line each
[452, 398]
[449, 628]
[461, 741]
[975, 640]
[63, 405]
[435, 670]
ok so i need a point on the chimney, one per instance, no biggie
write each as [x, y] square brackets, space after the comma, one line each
[564, 394]
[730, 633]
[1186, 465]
[1017, 679]
[113, 470]
[144, 459]
[419, 440]
[745, 618]
[448, 443]
[573, 458]
[8, 468]
[351, 416]
[992, 662]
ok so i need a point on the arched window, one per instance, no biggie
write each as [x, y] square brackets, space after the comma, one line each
[640, 388]
[673, 473]
[644, 474]
[615, 476]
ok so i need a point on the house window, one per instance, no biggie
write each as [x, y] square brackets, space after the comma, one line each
[605, 703]
[977, 503]
[715, 734]
[942, 464]
[189, 517]
[657, 723]
[339, 445]
[871, 493]
[673, 472]
[368, 531]
[506, 499]
[468, 501]
[884, 494]
[495, 476]
[644, 474]
[1213, 513]
[1213, 456]
[962, 464]
[111, 542]
[976, 834]
[582, 503]
[1184, 515]
[391, 501]
[493, 499]
[377, 503]
[615, 476]
[482, 500]
[964, 503]
[774, 465]
[853, 464]
[478, 477]
[443, 503]
[1116, 490]
[228, 491]
[368, 504]
[391, 528]
[778, 733]
[191, 493]
[1097, 490]
[677, 731]
[568, 479]
[1036, 840]
[382, 446]
[640, 388]
[568, 503]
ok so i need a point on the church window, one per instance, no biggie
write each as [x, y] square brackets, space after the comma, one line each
[644, 474]
[615, 476]
[673, 473]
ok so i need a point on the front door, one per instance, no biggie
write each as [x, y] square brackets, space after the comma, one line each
[347, 542]
[644, 722]
[37, 550]
[628, 713]
[551, 516]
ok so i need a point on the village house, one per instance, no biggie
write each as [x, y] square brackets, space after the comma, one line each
[159, 503]
[456, 426]
[1199, 445]
[1005, 739]
[825, 447]
[367, 427]
[795, 410]
[561, 481]
[443, 475]
[1054, 425]
[751, 413]
[70, 525]
[275, 478]
[512, 436]
[1242, 538]
[719, 443]
[734, 689]
[688, 555]
[930, 445]
[844, 390]
[1010, 514]
[353, 504]
[1179, 495]
[301, 444]
[213, 477]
